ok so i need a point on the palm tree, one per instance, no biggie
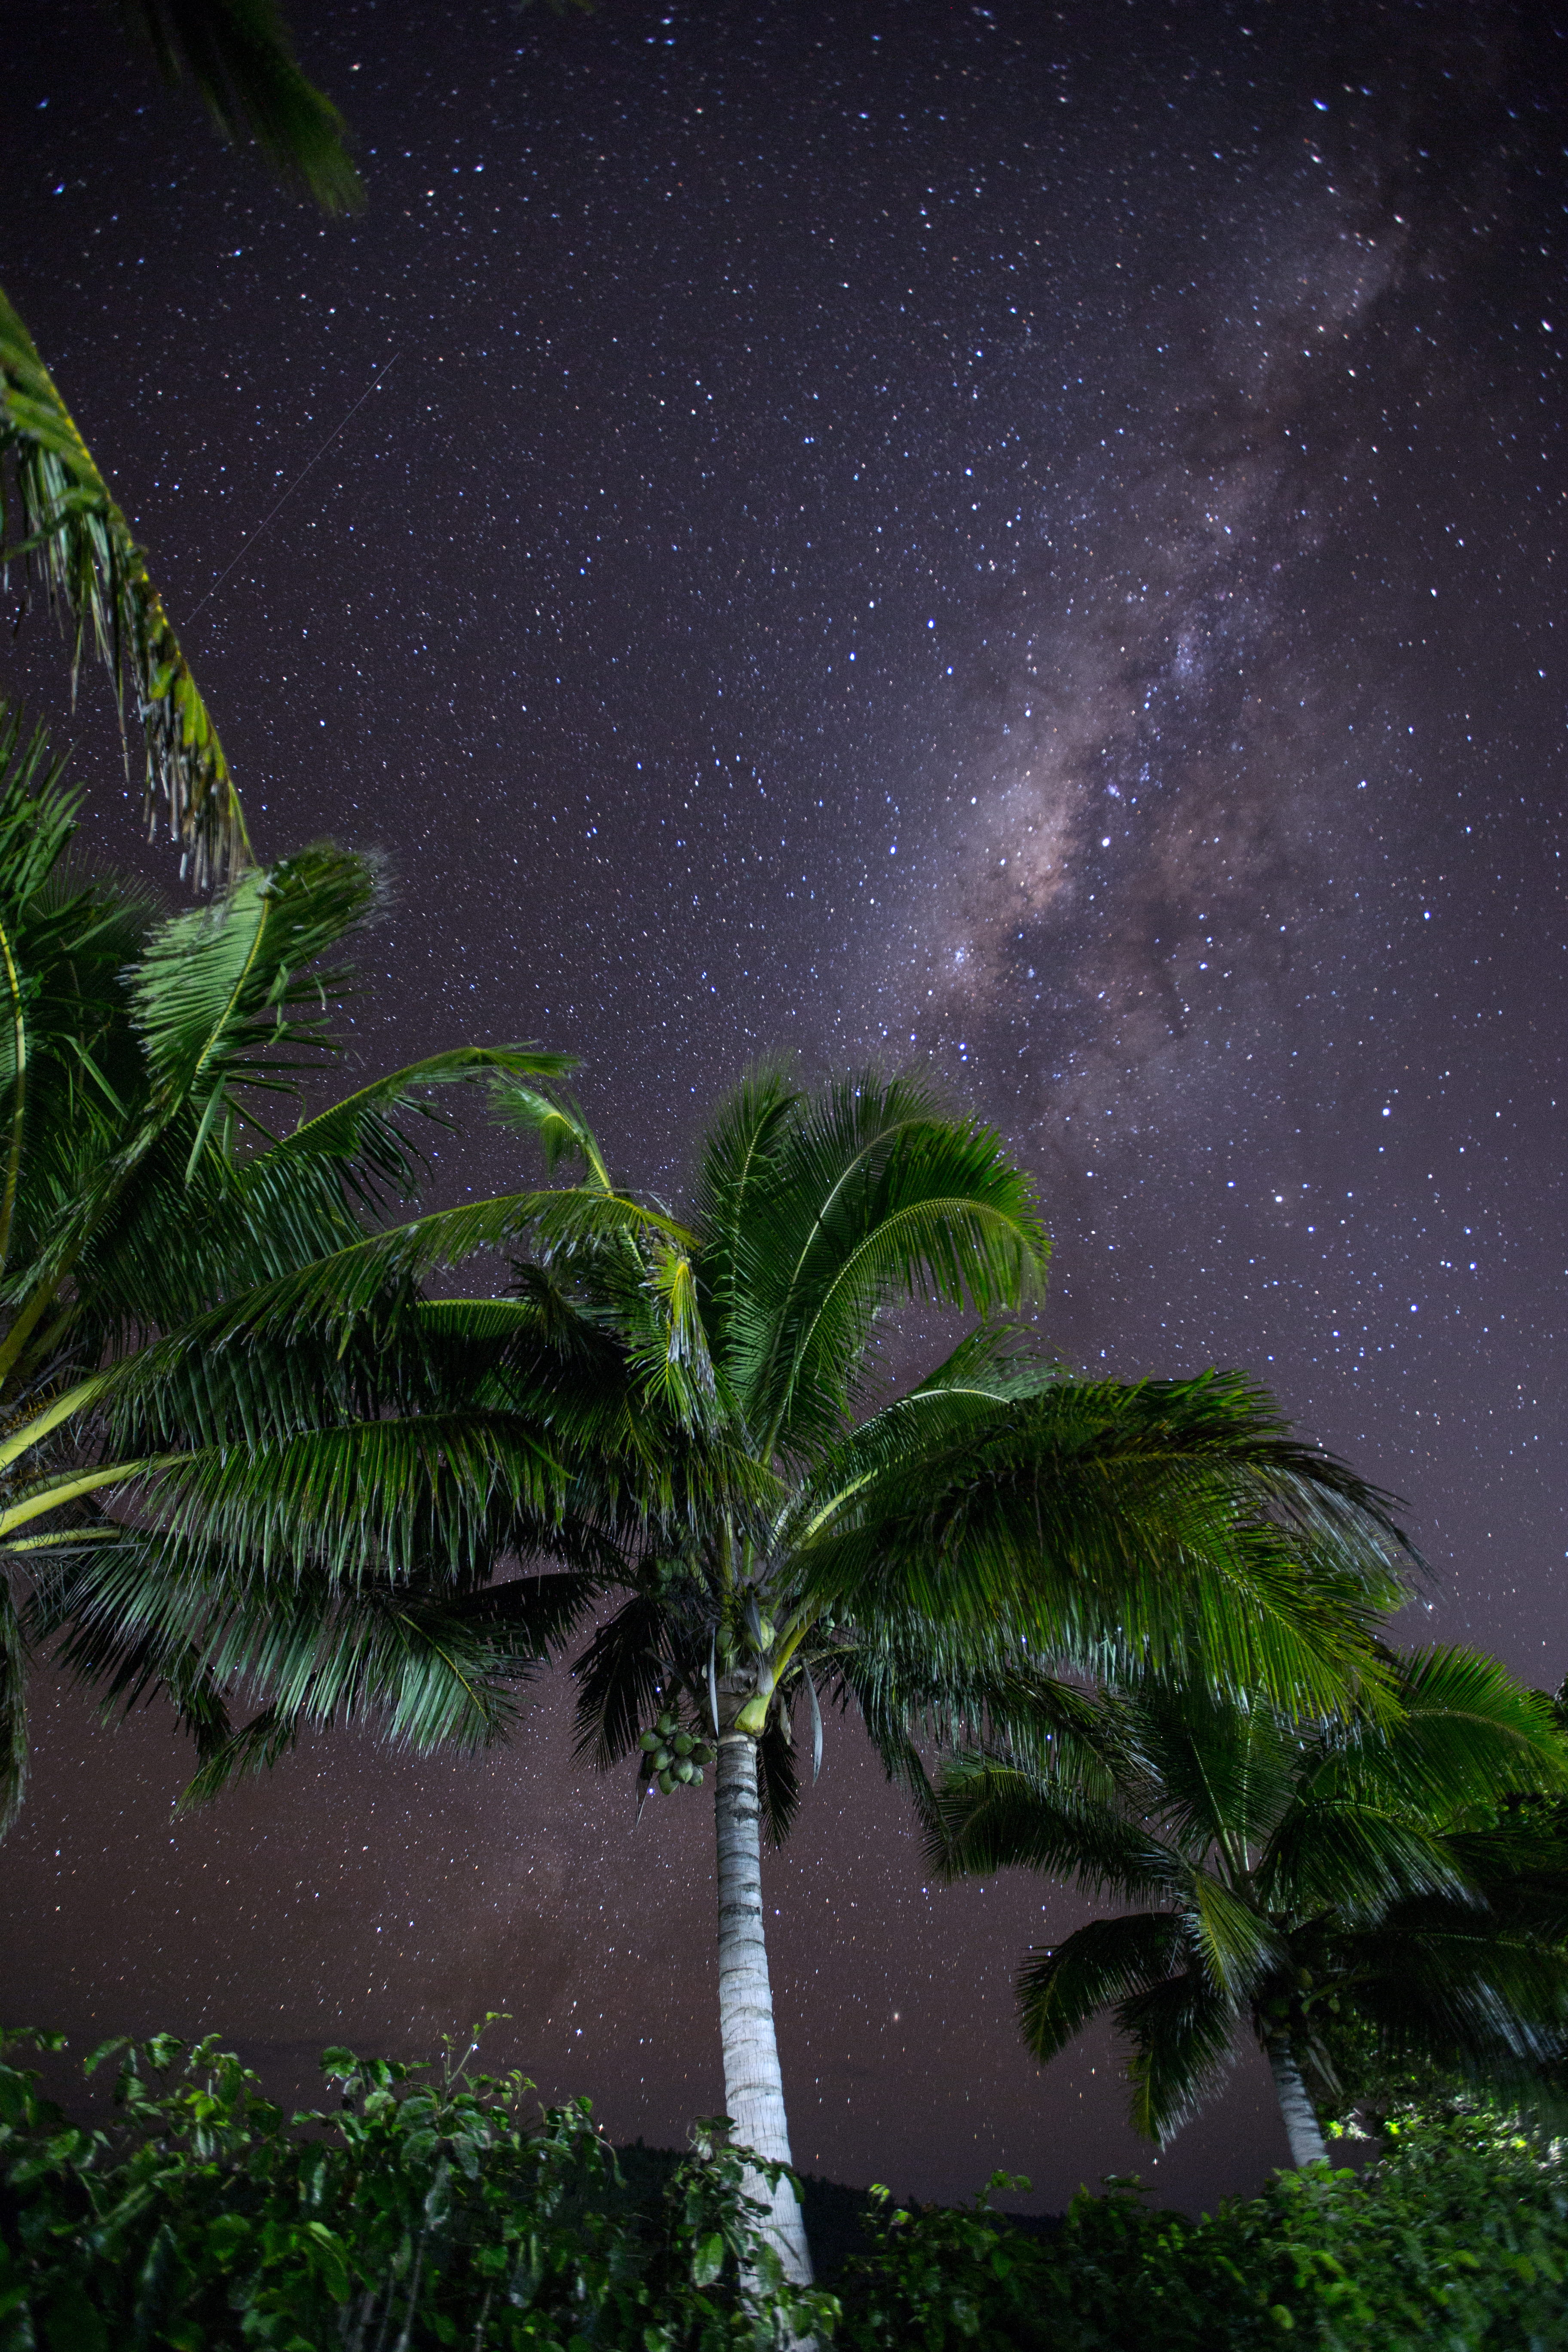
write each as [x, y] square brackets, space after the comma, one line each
[1302, 1878]
[916, 1552]
[199, 1477]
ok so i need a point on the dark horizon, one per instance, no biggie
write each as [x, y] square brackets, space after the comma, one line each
[1020, 540]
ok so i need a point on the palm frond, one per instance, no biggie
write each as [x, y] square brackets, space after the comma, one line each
[778, 1779]
[423, 1661]
[361, 1133]
[1166, 1524]
[1181, 2034]
[1233, 1943]
[1451, 1983]
[872, 1196]
[555, 1123]
[241, 59]
[1213, 1768]
[58, 519]
[255, 1748]
[368, 1501]
[740, 1147]
[1466, 1733]
[1062, 1991]
[990, 1818]
[222, 997]
[1356, 1858]
[354, 1280]
[620, 1677]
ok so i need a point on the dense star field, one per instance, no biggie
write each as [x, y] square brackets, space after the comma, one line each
[1026, 540]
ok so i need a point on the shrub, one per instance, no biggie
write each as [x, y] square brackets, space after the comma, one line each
[429, 2210]
[1456, 2240]
[425, 2210]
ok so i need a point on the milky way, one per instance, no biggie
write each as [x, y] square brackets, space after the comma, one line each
[1023, 540]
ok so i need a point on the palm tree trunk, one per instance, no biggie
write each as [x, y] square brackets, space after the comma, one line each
[754, 2087]
[1302, 2128]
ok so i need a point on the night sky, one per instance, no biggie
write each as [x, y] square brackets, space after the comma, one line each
[1026, 540]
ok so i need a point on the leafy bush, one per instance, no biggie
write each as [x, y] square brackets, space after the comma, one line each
[425, 2212]
[428, 2209]
[1456, 2240]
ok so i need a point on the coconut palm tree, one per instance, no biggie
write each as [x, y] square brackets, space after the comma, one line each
[918, 1551]
[1301, 1878]
[194, 1467]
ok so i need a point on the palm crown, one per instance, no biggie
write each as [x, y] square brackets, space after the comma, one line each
[1301, 1878]
[208, 1475]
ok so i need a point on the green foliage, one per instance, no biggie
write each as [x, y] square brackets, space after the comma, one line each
[1454, 2241]
[923, 1557]
[1362, 1892]
[60, 524]
[432, 2207]
[228, 1465]
[426, 2209]
[241, 59]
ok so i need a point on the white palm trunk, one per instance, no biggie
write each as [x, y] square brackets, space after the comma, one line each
[1302, 2128]
[754, 2087]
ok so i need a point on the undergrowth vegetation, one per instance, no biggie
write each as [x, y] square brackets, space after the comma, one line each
[434, 2206]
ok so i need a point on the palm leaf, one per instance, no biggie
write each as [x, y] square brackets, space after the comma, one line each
[57, 516]
[871, 1195]
[361, 1133]
[989, 1818]
[778, 1780]
[1181, 2034]
[222, 995]
[1062, 1991]
[240, 58]
[1466, 1733]
[1124, 1529]
[620, 1677]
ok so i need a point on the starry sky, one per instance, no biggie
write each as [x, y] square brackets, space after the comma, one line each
[1023, 540]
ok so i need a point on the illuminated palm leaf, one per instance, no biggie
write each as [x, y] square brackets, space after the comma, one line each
[60, 522]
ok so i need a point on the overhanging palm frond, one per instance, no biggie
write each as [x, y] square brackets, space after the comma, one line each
[990, 1818]
[1181, 2032]
[1215, 1770]
[619, 1677]
[240, 58]
[366, 1502]
[254, 1748]
[1358, 1857]
[57, 517]
[1452, 1984]
[425, 1664]
[361, 1137]
[1062, 1991]
[1129, 1528]
[1466, 1733]
[778, 1779]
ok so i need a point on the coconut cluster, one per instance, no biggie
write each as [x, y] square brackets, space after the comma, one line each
[675, 1758]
